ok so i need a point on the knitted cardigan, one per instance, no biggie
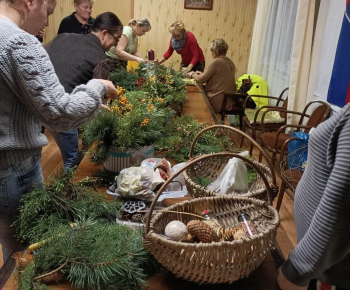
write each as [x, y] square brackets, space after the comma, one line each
[31, 96]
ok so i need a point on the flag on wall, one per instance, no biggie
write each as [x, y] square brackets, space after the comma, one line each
[339, 88]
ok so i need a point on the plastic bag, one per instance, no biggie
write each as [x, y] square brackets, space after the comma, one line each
[135, 181]
[233, 178]
[297, 153]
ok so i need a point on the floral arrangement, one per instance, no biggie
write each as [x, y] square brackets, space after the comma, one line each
[134, 120]
[155, 80]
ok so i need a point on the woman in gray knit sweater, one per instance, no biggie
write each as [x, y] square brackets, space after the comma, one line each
[31, 95]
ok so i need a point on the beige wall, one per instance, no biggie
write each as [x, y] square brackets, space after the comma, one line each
[122, 8]
[232, 20]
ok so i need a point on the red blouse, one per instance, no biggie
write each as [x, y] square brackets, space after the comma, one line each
[191, 53]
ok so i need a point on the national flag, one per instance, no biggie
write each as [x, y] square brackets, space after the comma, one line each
[339, 88]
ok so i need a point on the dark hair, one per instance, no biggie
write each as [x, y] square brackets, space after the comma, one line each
[107, 21]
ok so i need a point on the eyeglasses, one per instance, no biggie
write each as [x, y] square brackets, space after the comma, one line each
[116, 38]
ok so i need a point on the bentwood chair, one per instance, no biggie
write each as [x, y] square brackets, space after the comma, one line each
[272, 121]
[238, 109]
[275, 142]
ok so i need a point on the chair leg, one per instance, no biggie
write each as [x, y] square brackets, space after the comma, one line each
[260, 156]
[273, 159]
[240, 121]
[280, 195]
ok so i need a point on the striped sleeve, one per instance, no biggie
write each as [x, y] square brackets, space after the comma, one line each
[327, 239]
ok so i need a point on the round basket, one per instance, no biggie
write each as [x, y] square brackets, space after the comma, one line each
[210, 169]
[217, 262]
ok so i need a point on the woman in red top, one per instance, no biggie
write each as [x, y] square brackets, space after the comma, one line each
[185, 44]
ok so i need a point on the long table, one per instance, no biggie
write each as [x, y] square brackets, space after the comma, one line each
[263, 278]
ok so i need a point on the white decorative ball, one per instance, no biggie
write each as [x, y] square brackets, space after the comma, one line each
[176, 230]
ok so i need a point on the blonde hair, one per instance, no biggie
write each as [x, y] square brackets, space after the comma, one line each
[218, 46]
[141, 22]
[177, 27]
[78, 2]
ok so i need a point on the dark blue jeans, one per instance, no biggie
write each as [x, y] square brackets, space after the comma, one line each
[15, 181]
[68, 142]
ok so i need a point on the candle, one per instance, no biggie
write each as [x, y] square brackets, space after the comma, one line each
[150, 54]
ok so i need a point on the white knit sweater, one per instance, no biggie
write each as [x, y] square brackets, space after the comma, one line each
[31, 96]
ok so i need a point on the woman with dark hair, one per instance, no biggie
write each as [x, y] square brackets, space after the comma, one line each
[31, 95]
[75, 66]
[79, 21]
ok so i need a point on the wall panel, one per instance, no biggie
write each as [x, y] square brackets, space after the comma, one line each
[232, 20]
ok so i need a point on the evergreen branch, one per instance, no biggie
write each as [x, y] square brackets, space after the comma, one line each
[50, 273]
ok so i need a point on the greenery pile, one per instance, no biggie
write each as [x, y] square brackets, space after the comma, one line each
[79, 240]
[180, 132]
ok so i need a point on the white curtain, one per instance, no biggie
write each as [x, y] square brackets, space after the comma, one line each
[258, 34]
[301, 57]
[275, 60]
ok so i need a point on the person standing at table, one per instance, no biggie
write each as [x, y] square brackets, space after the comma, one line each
[79, 21]
[75, 66]
[127, 45]
[31, 95]
[321, 211]
[185, 43]
[219, 77]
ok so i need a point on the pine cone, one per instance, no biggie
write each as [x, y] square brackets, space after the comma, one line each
[136, 217]
[202, 232]
[229, 234]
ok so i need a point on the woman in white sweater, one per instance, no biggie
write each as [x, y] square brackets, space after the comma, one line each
[30, 96]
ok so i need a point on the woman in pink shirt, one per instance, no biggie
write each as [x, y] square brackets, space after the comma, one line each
[185, 44]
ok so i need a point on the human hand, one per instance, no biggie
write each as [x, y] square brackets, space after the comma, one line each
[111, 90]
[41, 33]
[185, 70]
[285, 284]
[105, 107]
[140, 59]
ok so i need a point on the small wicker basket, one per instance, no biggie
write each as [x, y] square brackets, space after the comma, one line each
[216, 262]
[210, 169]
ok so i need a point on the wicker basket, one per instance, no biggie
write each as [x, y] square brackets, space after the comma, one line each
[211, 168]
[219, 262]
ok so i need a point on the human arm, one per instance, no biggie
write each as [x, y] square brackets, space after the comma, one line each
[120, 50]
[64, 26]
[206, 75]
[167, 54]
[29, 73]
[326, 241]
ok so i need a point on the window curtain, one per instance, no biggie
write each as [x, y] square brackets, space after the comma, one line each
[258, 34]
[301, 57]
[275, 58]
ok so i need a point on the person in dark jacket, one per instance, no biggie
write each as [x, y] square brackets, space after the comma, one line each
[79, 21]
[75, 57]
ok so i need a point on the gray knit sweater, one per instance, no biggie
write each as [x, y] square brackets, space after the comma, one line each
[322, 208]
[31, 96]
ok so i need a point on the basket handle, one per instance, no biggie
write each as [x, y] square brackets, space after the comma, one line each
[201, 158]
[269, 163]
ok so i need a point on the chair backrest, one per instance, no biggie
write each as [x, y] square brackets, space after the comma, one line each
[284, 106]
[282, 99]
[319, 114]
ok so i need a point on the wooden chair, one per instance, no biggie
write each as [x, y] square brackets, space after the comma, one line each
[276, 142]
[237, 110]
[253, 117]
[291, 173]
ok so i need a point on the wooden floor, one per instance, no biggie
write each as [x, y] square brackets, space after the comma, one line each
[286, 235]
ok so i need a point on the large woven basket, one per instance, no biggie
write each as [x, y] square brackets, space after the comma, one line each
[210, 169]
[217, 262]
